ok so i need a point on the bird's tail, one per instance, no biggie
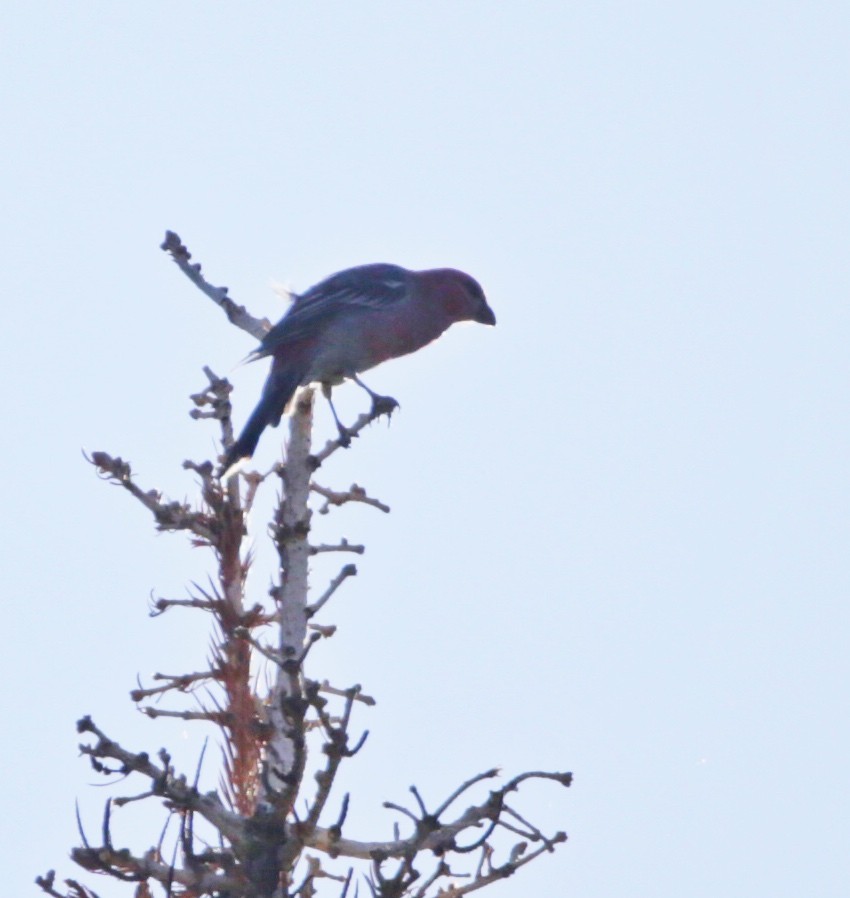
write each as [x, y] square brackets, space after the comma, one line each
[282, 383]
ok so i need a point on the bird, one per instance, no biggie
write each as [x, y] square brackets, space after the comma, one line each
[351, 322]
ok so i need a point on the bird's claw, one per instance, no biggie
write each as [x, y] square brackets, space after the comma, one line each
[345, 435]
[383, 405]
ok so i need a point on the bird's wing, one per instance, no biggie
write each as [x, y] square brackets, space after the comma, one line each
[366, 287]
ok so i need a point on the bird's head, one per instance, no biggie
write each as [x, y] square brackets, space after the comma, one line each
[460, 295]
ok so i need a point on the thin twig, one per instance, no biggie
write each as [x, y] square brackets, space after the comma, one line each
[342, 546]
[354, 493]
[349, 570]
[236, 314]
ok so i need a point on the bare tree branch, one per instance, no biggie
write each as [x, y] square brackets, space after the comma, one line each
[168, 515]
[354, 493]
[348, 571]
[236, 314]
[165, 784]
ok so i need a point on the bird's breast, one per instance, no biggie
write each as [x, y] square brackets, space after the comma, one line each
[371, 339]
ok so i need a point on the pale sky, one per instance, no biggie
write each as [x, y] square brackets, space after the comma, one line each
[618, 543]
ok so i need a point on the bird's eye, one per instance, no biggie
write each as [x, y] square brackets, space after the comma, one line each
[474, 289]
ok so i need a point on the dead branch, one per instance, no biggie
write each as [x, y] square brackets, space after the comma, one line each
[178, 682]
[171, 788]
[237, 315]
[75, 890]
[348, 571]
[354, 493]
[168, 515]
[326, 688]
[122, 864]
[342, 546]
[430, 833]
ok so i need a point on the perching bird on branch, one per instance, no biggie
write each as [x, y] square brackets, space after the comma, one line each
[349, 323]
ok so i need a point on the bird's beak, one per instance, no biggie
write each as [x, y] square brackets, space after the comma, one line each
[485, 315]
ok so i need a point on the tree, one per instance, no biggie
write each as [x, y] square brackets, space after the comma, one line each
[253, 836]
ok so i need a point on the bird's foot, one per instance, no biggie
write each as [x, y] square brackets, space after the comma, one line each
[383, 405]
[344, 435]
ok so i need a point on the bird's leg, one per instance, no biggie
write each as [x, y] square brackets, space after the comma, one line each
[381, 405]
[344, 432]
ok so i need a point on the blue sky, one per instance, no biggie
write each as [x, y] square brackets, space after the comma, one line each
[620, 518]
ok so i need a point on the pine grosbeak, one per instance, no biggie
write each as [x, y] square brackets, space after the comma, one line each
[350, 322]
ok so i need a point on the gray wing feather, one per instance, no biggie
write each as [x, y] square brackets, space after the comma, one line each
[365, 287]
